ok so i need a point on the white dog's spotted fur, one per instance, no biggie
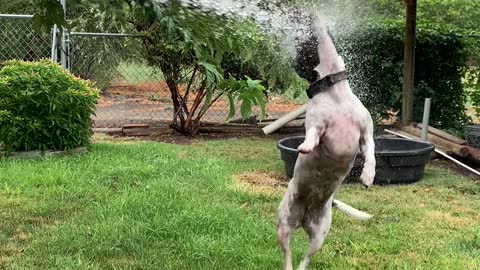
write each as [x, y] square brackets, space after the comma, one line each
[337, 127]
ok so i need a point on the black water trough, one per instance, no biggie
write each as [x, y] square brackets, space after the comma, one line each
[398, 161]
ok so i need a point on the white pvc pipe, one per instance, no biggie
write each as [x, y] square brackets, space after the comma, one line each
[426, 117]
[439, 152]
[282, 121]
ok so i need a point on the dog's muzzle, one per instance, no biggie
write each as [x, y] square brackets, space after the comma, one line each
[325, 82]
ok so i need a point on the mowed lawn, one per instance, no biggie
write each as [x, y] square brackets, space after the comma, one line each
[148, 205]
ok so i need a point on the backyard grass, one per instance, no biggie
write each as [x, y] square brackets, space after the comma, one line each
[138, 72]
[147, 205]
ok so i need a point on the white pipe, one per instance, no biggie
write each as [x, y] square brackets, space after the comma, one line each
[426, 117]
[439, 152]
[282, 121]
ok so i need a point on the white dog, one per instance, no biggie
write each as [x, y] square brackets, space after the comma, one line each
[338, 126]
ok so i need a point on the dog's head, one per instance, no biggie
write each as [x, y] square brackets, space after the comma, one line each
[307, 58]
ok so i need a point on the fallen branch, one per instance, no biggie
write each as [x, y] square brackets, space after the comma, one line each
[130, 126]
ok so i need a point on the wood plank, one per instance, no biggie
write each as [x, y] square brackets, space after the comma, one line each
[109, 131]
[444, 135]
[457, 149]
[131, 126]
[141, 131]
[409, 61]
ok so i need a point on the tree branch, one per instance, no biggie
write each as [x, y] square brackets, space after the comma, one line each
[204, 110]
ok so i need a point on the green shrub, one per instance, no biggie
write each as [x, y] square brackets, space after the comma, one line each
[374, 57]
[43, 107]
[471, 83]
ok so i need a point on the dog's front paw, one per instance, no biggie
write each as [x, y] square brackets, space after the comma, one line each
[367, 177]
[305, 148]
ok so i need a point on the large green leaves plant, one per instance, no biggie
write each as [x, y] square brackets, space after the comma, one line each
[203, 57]
[197, 49]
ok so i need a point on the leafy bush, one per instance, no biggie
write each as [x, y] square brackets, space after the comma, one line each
[43, 107]
[374, 57]
[210, 56]
[471, 83]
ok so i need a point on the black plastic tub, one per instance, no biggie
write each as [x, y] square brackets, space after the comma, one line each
[398, 161]
[472, 135]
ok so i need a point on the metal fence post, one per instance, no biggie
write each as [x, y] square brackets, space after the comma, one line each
[64, 33]
[54, 44]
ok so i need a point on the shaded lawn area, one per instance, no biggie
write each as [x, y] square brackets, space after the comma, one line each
[147, 205]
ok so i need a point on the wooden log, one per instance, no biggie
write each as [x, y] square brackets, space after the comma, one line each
[109, 131]
[228, 128]
[141, 131]
[449, 146]
[474, 152]
[132, 126]
[444, 135]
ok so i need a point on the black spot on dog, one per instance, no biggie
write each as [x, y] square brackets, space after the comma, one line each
[307, 49]
[307, 59]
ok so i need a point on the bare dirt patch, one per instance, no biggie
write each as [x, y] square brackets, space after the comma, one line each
[441, 217]
[454, 168]
[261, 182]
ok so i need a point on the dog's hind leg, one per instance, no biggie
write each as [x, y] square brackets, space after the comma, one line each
[367, 147]
[284, 234]
[284, 230]
[290, 213]
[317, 231]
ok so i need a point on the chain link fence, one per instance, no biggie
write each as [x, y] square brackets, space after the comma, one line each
[132, 91]
[19, 41]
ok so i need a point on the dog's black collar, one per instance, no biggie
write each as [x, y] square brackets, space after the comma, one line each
[325, 82]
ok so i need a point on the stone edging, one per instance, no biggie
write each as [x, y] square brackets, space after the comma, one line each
[38, 153]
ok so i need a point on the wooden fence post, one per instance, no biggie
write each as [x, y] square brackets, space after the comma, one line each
[409, 61]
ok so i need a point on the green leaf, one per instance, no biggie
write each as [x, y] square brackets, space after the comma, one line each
[231, 102]
[246, 108]
[211, 72]
[208, 97]
[52, 14]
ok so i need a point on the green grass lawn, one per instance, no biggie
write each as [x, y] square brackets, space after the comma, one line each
[147, 205]
[138, 72]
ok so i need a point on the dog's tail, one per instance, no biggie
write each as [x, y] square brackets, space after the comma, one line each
[352, 212]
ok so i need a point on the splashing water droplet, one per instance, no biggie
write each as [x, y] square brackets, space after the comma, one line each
[289, 25]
